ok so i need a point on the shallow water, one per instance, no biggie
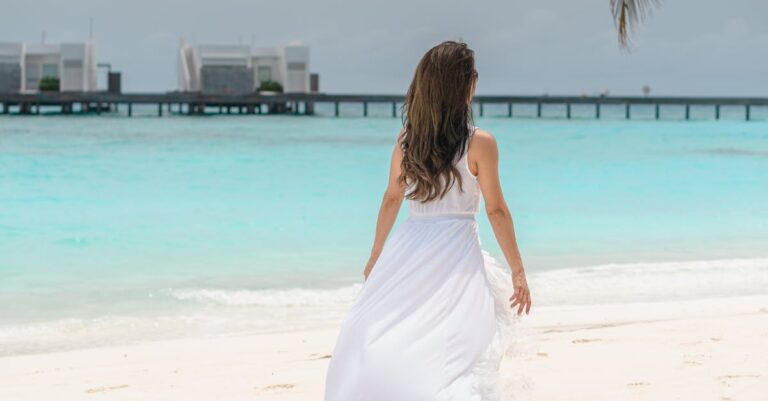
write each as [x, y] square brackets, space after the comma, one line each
[110, 219]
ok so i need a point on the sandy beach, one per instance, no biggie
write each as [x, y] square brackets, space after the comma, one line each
[713, 349]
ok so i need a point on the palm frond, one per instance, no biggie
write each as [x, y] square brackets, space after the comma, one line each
[628, 13]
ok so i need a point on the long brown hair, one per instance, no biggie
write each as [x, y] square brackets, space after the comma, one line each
[436, 118]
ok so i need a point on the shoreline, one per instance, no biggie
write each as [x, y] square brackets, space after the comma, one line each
[197, 312]
[706, 349]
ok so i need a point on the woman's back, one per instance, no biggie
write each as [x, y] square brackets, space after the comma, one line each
[457, 201]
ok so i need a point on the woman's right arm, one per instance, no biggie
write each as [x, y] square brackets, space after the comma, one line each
[484, 155]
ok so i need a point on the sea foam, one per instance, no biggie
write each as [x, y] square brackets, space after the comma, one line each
[291, 297]
[607, 283]
[655, 281]
[214, 311]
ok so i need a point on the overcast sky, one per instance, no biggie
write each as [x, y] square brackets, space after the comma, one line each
[687, 47]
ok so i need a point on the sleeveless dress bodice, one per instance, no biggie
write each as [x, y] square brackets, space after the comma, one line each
[464, 201]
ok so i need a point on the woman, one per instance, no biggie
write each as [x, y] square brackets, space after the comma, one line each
[432, 316]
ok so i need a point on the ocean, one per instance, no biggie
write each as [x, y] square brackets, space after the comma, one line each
[120, 230]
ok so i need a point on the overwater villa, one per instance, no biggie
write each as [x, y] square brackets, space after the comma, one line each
[30, 68]
[243, 69]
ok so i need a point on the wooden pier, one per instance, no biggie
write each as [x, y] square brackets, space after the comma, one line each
[305, 103]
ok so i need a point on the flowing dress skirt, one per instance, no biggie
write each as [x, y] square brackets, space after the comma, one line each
[430, 321]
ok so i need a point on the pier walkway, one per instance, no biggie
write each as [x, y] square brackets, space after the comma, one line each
[304, 103]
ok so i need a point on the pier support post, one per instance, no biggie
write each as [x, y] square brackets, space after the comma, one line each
[481, 109]
[509, 110]
[365, 109]
[5, 108]
[626, 111]
[538, 110]
[597, 110]
[336, 108]
[746, 109]
[717, 112]
[687, 111]
[568, 111]
[658, 111]
[159, 109]
[394, 109]
[130, 109]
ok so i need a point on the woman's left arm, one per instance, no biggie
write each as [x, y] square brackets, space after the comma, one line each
[390, 207]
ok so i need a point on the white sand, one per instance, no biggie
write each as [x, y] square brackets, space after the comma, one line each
[694, 350]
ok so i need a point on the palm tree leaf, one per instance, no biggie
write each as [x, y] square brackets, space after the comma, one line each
[628, 13]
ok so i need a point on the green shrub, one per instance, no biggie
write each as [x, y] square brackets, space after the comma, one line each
[49, 84]
[270, 86]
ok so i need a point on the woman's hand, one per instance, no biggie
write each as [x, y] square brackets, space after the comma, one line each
[521, 296]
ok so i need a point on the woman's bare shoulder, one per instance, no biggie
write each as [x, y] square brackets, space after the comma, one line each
[483, 135]
[482, 142]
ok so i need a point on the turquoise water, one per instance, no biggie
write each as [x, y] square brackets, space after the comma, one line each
[110, 217]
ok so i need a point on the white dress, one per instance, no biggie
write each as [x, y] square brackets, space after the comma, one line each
[431, 321]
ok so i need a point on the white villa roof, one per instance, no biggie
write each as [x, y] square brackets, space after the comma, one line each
[40, 49]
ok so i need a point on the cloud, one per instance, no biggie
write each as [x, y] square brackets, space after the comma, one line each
[560, 46]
